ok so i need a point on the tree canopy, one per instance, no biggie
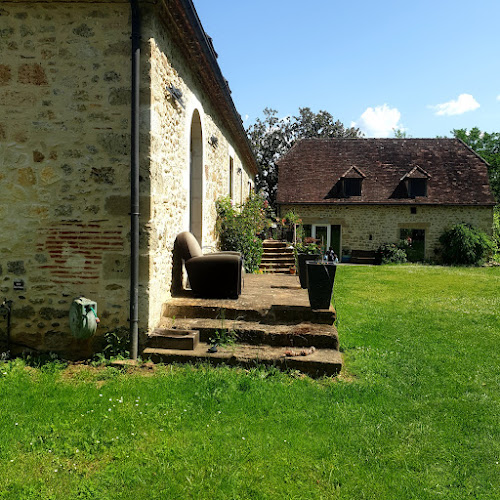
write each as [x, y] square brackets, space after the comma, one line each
[272, 137]
[487, 146]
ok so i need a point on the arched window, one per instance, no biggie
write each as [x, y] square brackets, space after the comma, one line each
[196, 179]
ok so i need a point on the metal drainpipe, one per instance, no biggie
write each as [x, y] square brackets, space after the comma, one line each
[134, 181]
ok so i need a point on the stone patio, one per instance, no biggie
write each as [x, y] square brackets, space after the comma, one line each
[272, 320]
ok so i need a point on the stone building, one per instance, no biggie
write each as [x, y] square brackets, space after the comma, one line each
[69, 143]
[356, 194]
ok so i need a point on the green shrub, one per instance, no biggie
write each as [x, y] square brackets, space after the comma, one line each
[116, 343]
[464, 245]
[392, 253]
[496, 234]
[238, 226]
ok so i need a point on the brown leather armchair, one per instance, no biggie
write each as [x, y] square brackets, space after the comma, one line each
[214, 275]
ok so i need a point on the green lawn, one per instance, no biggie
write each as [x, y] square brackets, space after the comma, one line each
[415, 414]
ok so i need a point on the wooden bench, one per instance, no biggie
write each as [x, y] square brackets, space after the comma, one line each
[363, 257]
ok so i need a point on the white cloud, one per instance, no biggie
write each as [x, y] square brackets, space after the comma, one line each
[380, 121]
[464, 103]
[498, 97]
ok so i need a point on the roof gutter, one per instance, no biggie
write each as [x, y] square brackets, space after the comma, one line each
[211, 57]
[134, 179]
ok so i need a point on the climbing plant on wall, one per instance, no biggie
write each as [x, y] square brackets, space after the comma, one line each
[238, 227]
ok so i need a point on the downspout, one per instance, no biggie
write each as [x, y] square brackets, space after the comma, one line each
[134, 181]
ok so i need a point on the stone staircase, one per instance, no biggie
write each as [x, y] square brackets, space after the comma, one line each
[278, 257]
[271, 324]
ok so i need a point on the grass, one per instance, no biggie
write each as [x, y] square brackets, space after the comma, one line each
[415, 414]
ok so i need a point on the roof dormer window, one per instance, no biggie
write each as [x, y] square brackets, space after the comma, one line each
[351, 182]
[417, 187]
[352, 187]
[416, 182]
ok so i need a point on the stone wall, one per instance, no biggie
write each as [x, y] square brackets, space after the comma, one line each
[65, 161]
[171, 129]
[366, 227]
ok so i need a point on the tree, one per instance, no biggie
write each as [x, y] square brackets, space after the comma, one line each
[488, 147]
[464, 245]
[272, 137]
[400, 134]
[308, 125]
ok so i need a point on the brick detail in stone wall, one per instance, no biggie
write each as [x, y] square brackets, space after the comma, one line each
[76, 251]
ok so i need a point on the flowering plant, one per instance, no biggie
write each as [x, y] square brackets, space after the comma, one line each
[238, 227]
[308, 246]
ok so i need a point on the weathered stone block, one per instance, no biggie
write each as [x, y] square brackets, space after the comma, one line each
[5, 74]
[114, 144]
[49, 313]
[41, 258]
[48, 175]
[16, 267]
[38, 157]
[39, 212]
[84, 31]
[63, 210]
[112, 76]
[103, 175]
[26, 176]
[32, 74]
[119, 96]
[118, 49]
[25, 312]
[25, 30]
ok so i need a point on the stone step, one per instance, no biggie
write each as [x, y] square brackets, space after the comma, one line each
[318, 362]
[274, 314]
[276, 269]
[273, 250]
[170, 338]
[277, 262]
[275, 244]
[250, 332]
[279, 270]
[280, 255]
[281, 261]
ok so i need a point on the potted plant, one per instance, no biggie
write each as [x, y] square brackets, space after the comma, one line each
[289, 225]
[307, 250]
[320, 280]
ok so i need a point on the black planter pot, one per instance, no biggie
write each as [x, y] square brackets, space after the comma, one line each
[320, 280]
[302, 268]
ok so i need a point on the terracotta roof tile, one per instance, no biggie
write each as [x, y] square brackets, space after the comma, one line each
[312, 170]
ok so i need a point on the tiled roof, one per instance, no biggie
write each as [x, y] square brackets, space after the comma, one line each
[314, 169]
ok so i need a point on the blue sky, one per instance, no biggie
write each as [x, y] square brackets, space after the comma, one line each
[423, 66]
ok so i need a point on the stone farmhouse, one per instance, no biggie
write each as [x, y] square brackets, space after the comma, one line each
[356, 194]
[117, 132]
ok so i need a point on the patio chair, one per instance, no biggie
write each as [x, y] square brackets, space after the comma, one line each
[213, 275]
